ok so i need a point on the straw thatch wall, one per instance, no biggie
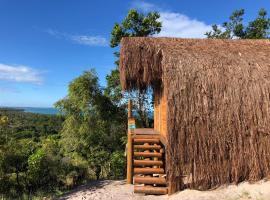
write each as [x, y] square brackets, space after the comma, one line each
[218, 94]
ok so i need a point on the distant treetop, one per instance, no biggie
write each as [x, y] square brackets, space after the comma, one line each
[259, 28]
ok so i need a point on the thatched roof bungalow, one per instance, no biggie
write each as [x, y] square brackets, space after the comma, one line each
[212, 104]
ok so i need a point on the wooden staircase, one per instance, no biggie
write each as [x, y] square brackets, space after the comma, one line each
[145, 158]
[148, 164]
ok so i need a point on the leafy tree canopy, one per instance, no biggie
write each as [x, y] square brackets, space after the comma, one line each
[135, 24]
[235, 28]
[93, 125]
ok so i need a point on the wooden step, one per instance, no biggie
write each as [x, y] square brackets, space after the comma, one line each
[146, 140]
[150, 190]
[146, 136]
[148, 171]
[148, 163]
[145, 131]
[150, 180]
[147, 147]
[147, 154]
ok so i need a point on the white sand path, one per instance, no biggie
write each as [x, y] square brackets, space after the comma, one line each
[118, 190]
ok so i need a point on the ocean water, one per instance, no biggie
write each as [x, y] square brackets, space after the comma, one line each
[47, 111]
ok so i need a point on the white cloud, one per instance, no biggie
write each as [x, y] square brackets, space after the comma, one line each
[80, 39]
[175, 24]
[179, 25]
[19, 74]
[89, 40]
[144, 6]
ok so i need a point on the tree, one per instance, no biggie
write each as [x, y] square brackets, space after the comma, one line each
[134, 25]
[13, 164]
[44, 168]
[235, 28]
[93, 125]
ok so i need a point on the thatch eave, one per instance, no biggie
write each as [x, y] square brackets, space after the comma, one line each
[143, 60]
[140, 65]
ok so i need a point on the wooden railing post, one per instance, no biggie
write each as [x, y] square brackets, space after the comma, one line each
[131, 121]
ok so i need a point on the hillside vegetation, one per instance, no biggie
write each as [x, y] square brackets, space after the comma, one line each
[44, 155]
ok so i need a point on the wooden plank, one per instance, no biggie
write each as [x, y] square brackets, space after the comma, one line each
[163, 115]
[147, 147]
[148, 154]
[160, 113]
[148, 163]
[146, 140]
[150, 180]
[150, 190]
[148, 171]
[151, 136]
[145, 131]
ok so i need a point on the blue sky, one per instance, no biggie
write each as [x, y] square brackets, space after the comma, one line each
[44, 44]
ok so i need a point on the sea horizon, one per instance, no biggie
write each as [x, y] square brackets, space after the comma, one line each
[34, 109]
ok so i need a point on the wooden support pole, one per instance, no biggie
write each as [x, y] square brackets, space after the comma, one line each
[129, 147]
[129, 160]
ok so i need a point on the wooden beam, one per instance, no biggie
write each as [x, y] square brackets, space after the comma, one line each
[146, 131]
[148, 154]
[136, 136]
[148, 171]
[147, 163]
[146, 140]
[150, 190]
[148, 147]
[150, 180]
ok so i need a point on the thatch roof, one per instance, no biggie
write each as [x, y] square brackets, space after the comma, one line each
[218, 94]
[146, 61]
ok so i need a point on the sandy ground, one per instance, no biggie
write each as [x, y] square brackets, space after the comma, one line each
[118, 190]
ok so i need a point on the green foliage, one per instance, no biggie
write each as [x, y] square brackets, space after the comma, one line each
[135, 24]
[93, 127]
[14, 165]
[113, 89]
[44, 167]
[118, 164]
[30, 125]
[3, 120]
[29, 154]
[259, 28]
[235, 28]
